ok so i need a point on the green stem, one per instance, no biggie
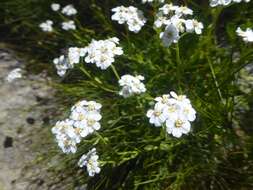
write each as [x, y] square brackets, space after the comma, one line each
[115, 72]
[99, 83]
[179, 65]
[100, 137]
[214, 78]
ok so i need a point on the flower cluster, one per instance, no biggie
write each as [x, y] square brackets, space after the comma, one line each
[68, 25]
[83, 120]
[68, 10]
[246, 35]
[55, 6]
[173, 19]
[175, 111]
[131, 16]
[63, 63]
[47, 26]
[131, 85]
[90, 160]
[214, 3]
[102, 52]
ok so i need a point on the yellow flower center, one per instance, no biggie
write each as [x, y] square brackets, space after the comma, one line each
[179, 123]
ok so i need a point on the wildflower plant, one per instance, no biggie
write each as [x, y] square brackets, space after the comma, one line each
[151, 92]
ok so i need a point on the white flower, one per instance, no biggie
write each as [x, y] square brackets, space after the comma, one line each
[178, 126]
[62, 65]
[170, 35]
[74, 55]
[46, 26]
[157, 116]
[102, 52]
[90, 160]
[131, 16]
[246, 35]
[168, 8]
[175, 111]
[14, 74]
[183, 11]
[193, 25]
[131, 85]
[55, 6]
[69, 10]
[69, 25]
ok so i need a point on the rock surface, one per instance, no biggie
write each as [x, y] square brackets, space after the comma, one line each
[24, 113]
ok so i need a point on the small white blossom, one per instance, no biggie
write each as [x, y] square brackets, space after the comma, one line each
[74, 55]
[175, 111]
[158, 115]
[69, 25]
[102, 52]
[131, 16]
[193, 25]
[180, 11]
[170, 35]
[178, 126]
[55, 6]
[69, 10]
[47, 26]
[90, 160]
[62, 65]
[131, 85]
[246, 35]
[14, 74]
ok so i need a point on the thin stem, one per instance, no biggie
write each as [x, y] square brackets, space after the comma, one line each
[100, 137]
[179, 64]
[115, 72]
[99, 83]
[214, 78]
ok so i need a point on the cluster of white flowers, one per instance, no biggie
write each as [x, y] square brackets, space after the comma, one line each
[150, 1]
[86, 116]
[131, 16]
[175, 111]
[246, 35]
[102, 52]
[14, 74]
[83, 120]
[69, 10]
[68, 25]
[55, 6]
[90, 160]
[63, 63]
[214, 3]
[131, 85]
[47, 26]
[66, 135]
[173, 19]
